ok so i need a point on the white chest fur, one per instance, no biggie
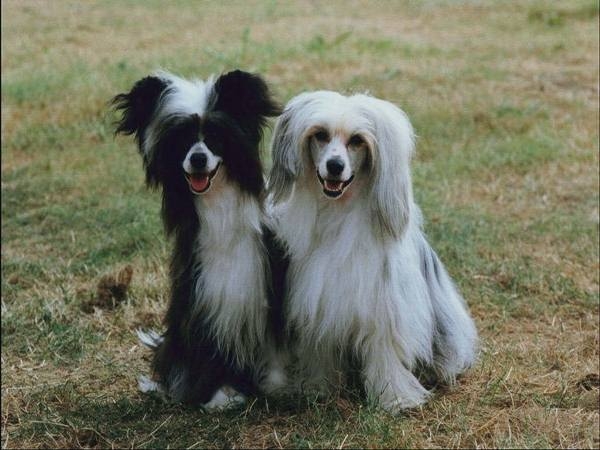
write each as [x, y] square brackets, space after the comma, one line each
[351, 288]
[231, 287]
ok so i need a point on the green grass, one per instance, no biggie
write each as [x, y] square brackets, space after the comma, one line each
[504, 100]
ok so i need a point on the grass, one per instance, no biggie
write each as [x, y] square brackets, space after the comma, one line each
[504, 99]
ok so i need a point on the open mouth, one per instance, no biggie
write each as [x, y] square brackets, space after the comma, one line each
[334, 188]
[200, 182]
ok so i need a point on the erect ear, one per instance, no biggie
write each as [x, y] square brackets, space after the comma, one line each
[138, 106]
[246, 98]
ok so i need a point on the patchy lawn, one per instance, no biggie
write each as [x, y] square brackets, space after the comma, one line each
[504, 99]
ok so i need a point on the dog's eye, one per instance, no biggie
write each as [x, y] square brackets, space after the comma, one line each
[356, 141]
[213, 142]
[322, 136]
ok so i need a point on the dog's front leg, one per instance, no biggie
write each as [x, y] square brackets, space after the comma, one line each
[389, 382]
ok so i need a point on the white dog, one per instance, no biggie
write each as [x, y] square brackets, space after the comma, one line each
[363, 287]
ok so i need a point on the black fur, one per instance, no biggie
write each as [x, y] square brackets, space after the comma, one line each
[245, 97]
[278, 264]
[138, 107]
[188, 363]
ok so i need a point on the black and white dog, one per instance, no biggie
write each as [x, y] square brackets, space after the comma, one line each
[199, 141]
[365, 288]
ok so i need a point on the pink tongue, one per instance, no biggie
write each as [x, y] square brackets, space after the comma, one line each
[199, 182]
[333, 185]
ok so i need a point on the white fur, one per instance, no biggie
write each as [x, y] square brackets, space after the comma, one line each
[146, 384]
[236, 307]
[362, 278]
[232, 285]
[335, 149]
[150, 338]
[182, 98]
[212, 160]
[224, 398]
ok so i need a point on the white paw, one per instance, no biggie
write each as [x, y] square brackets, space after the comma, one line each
[146, 384]
[225, 398]
[150, 338]
[395, 404]
[275, 380]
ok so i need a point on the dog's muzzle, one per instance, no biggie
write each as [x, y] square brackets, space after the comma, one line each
[334, 188]
[199, 182]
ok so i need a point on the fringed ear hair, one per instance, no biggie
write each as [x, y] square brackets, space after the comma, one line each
[391, 194]
[286, 146]
[138, 106]
[242, 103]
[246, 98]
[286, 159]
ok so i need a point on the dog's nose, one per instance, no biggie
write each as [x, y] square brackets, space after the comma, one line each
[198, 160]
[335, 166]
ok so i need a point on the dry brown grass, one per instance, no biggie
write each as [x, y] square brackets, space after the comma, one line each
[504, 98]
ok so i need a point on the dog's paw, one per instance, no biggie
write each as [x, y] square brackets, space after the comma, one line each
[275, 381]
[224, 398]
[146, 384]
[150, 338]
[397, 404]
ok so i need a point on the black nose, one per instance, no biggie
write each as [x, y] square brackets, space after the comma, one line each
[198, 160]
[335, 166]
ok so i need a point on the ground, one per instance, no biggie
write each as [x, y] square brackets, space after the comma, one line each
[504, 99]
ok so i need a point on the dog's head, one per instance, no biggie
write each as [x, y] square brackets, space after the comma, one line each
[342, 145]
[339, 155]
[196, 134]
[186, 130]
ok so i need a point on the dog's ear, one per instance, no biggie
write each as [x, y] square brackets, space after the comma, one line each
[138, 106]
[286, 158]
[391, 194]
[246, 98]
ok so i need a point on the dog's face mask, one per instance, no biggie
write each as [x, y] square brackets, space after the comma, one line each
[189, 131]
[338, 158]
[195, 134]
[348, 145]
[203, 161]
[200, 167]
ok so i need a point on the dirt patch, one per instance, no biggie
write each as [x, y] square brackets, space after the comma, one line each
[111, 291]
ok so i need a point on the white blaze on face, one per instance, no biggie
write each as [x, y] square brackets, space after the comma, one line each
[199, 178]
[335, 152]
[337, 158]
